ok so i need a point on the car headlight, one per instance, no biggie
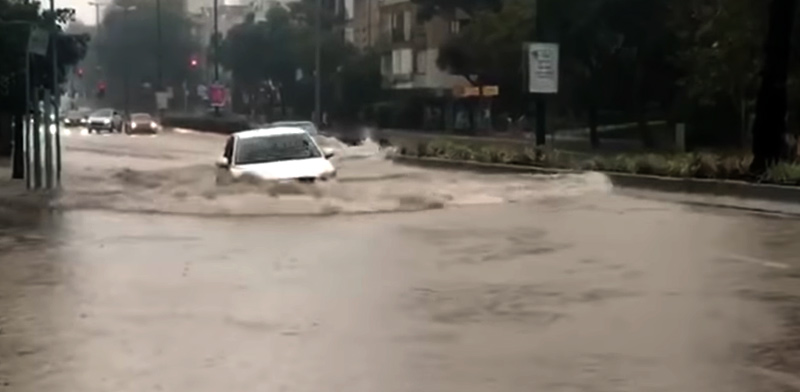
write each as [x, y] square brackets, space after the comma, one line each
[133, 125]
[107, 121]
[153, 124]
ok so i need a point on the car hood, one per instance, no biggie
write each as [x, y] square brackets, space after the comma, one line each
[99, 118]
[286, 170]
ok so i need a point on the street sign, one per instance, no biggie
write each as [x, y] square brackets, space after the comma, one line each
[217, 95]
[490, 91]
[466, 91]
[542, 67]
[202, 91]
[162, 100]
[38, 41]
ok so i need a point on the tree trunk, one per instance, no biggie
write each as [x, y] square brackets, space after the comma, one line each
[770, 123]
[5, 135]
[18, 169]
[594, 137]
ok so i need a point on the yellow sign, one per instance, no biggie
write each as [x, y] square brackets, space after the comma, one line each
[490, 91]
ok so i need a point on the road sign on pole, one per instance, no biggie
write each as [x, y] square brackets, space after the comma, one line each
[543, 65]
[217, 95]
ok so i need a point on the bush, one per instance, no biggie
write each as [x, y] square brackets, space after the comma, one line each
[689, 165]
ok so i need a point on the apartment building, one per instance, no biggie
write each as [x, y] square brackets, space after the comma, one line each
[411, 47]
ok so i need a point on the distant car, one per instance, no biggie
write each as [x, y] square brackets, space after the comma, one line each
[274, 154]
[142, 123]
[307, 126]
[105, 120]
[76, 118]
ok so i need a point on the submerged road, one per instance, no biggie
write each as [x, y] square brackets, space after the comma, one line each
[454, 282]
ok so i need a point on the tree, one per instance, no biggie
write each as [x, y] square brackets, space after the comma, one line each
[719, 56]
[16, 19]
[769, 127]
[127, 50]
[286, 70]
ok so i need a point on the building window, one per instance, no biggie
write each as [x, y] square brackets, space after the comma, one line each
[455, 26]
[407, 25]
[421, 62]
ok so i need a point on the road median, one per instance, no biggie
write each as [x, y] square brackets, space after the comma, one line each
[624, 181]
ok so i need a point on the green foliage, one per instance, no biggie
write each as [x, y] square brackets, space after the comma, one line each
[127, 46]
[16, 19]
[688, 165]
[349, 79]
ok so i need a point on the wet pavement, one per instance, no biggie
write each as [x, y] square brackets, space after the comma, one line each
[566, 286]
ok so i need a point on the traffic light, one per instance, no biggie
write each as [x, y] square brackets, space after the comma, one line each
[80, 72]
[101, 90]
[193, 62]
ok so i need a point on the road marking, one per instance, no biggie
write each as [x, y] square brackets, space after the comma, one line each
[757, 261]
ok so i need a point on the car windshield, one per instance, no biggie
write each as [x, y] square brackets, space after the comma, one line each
[103, 113]
[141, 117]
[306, 126]
[275, 148]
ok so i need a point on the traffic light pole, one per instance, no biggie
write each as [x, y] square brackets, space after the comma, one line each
[318, 64]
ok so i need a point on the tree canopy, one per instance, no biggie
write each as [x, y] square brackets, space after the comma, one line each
[16, 20]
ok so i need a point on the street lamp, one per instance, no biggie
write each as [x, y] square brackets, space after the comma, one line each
[317, 64]
[125, 11]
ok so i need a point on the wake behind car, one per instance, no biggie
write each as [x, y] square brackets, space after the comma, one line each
[142, 123]
[274, 154]
[107, 120]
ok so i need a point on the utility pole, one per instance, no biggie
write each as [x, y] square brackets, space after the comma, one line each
[54, 179]
[159, 63]
[216, 49]
[318, 65]
[96, 6]
[541, 99]
[127, 108]
[216, 41]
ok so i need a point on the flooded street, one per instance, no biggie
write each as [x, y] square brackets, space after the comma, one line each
[147, 276]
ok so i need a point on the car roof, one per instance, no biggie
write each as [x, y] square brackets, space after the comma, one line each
[277, 131]
[140, 114]
[285, 123]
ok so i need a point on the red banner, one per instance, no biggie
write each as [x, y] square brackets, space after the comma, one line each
[217, 95]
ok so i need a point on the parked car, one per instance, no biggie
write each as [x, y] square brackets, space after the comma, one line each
[143, 123]
[274, 154]
[105, 120]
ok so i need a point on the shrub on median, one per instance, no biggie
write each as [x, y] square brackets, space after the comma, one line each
[687, 165]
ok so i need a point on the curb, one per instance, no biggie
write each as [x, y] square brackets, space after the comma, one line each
[736, 189]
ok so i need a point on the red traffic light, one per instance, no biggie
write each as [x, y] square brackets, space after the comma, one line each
[80, 72]
[193, 62]
[101, 86]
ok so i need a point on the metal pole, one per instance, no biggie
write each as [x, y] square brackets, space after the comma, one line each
[159, 64]
[318, 64]
[541, 99]
[126, 110]
[216, 48]
[216, 41]
[54, 179]
[28, 132]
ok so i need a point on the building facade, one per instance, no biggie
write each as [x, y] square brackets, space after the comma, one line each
[411, 47]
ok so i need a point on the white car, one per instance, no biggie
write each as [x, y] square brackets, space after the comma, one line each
[274, 154]
[105, 120]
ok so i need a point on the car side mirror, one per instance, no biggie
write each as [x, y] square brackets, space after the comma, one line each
[222, 162]
[328, 152]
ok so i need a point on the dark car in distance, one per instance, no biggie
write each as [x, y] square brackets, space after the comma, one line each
[142, 123]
